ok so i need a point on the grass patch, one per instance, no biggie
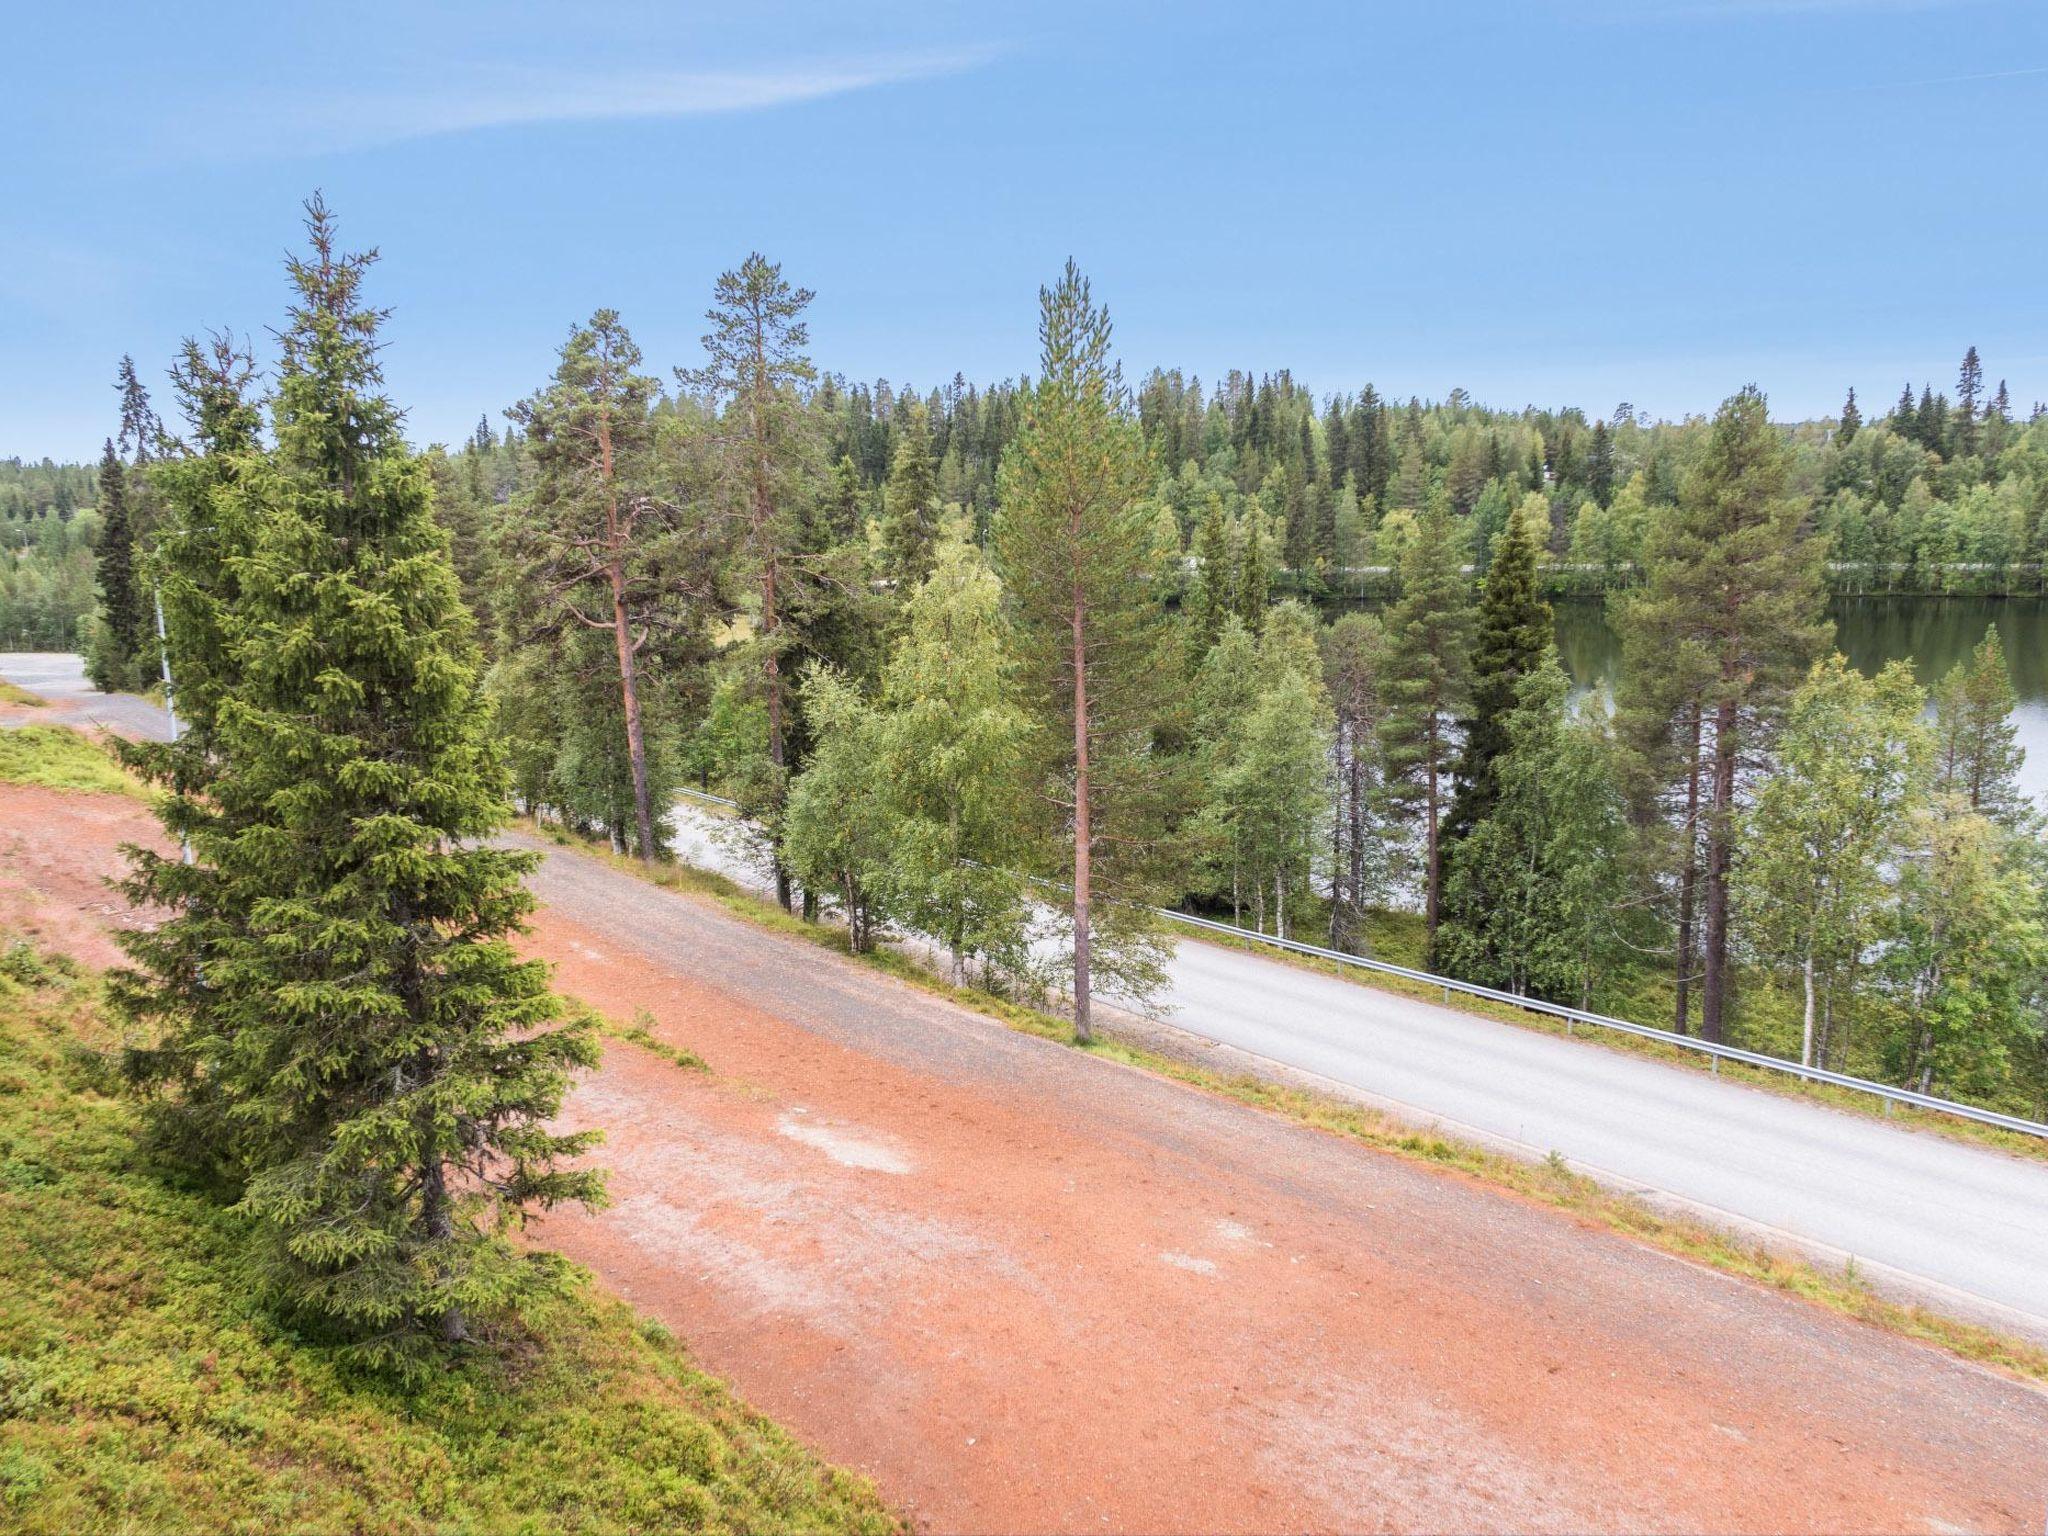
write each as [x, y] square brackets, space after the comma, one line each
[1551, 1182]
[14, 693]
[143, 1387]
[641, 1033]
[57, 757]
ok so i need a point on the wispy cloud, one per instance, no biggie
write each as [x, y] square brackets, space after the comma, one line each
[1991, 74]
[475, 99]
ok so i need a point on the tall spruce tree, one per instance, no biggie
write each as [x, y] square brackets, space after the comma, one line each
[1851, 422]
[1427, 679]
[118, 645]
[1514, 636]
[382, 1064]
[1210, 593]
[913, 502]
[1073, 546]
[140, 429]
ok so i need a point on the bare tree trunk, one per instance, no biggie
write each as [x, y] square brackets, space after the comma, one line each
[1806, 1020]
[636, 739]
[1689, 877]
[1430, 854]
[771, 618]
[1358, 841]
[1082, 1031]
[622, 636]
[1720, 857]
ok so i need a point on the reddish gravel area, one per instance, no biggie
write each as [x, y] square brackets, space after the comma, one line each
[1029, 1290]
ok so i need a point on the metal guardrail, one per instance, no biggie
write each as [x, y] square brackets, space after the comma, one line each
[1718, 1053]
[1573, 1016]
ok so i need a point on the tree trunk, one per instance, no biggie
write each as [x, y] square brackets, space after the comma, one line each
[1082, 834]
[1358, 840]
[771, 618]
[629, 687]
[1720, 857]
[1689, 877]
[622, 636]
[1806, 1018]
[1430, 866]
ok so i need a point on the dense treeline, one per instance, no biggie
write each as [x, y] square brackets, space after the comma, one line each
[941, 645]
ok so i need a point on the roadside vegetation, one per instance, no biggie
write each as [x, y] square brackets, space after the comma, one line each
[148, 1382]
[57, 757]
[1551, 1182]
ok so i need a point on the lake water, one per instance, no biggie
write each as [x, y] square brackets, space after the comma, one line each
[1933, 633]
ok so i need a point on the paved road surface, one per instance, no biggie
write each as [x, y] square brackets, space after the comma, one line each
[1957, 1224]
[74, 701]
[1962, 1226]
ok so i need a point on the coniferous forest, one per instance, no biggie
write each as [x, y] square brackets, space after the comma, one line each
[1274, 657]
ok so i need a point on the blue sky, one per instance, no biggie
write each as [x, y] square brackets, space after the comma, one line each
[1558, 201]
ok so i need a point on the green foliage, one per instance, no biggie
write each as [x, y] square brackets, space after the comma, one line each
[57, 757]
[952, 745]
[1426, 680]
[1072, 542]
[1536, 889]
[1851, 769]
[341, 1020]
[913, 495]
[146, 1385]
[1977, 753]
[117, 660]
[1964, 958]
[1514, 639]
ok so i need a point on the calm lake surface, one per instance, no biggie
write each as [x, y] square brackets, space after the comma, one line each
[1934, 633]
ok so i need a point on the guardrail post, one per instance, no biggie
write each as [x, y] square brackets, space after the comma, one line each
[1715, 1063]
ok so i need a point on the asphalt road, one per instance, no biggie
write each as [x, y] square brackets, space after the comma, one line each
[72, 700]
[1962, 1226]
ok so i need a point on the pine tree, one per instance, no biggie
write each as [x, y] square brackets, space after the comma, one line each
[1073, 546]
[1728, 619]
[1851, 423]
[1978, 755]
[1427, 677]
[383, 1059]
[913, 497]
[1514, 636]
[757, 366]
[119, 643]
[598, 542]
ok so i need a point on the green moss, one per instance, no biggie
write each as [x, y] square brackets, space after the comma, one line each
[14, 693]
[144, 1387]
[56, 757]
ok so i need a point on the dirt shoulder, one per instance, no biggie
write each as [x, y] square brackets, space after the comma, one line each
[1026, 1289]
